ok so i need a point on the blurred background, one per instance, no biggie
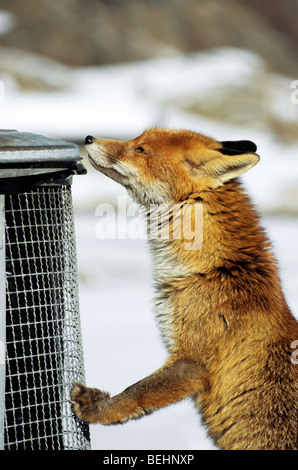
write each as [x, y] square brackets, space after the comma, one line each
[112, 68]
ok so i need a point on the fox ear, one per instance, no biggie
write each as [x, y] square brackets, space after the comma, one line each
[237, 147]
[234, 159]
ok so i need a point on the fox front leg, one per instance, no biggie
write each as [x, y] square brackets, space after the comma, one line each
[169, 384]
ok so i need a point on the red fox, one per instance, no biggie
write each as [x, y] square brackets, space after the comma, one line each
[223, 316]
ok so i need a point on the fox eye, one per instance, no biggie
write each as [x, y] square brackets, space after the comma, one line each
[141, 150]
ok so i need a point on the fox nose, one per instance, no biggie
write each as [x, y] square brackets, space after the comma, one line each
[89, 139]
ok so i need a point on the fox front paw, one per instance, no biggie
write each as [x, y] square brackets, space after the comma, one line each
[86, 402]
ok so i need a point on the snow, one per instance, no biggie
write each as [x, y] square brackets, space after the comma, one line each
[122, 100]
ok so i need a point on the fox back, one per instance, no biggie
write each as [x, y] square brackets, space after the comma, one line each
[222, 313]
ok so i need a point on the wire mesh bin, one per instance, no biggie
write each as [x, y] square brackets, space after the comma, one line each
[40, 336]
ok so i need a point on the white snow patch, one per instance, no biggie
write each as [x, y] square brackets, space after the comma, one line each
[8, 22]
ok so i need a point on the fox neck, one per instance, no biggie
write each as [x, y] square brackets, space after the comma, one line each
[206, 231]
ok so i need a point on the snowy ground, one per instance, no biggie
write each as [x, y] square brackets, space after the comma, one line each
[121, 339]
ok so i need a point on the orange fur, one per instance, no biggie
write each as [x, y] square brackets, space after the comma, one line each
[220, 305]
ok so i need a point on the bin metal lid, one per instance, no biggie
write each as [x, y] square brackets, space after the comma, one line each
[28, 160]
[25, 147]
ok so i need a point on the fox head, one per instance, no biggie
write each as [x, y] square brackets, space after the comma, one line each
[167, 166]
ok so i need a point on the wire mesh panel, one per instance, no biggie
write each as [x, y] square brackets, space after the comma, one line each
[43, 335]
